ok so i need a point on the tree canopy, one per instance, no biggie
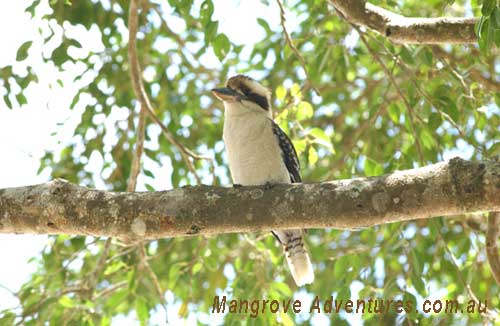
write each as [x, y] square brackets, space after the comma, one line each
[355, 100]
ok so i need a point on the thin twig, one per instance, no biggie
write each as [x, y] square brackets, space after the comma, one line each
[111, 289]
[142, 96]
[146, 106]
[290, 43]
[98, 269]
[14, 294]
[488, 83]
[489, 314]
[492, 244]
[152, 275]
[401, 63]
[139, 147]
[424, 94]
[398, 90]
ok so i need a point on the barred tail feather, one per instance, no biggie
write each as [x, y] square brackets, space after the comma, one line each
[296, 255]
[301, 267]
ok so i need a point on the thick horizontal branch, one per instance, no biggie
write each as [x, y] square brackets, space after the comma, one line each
[408, 30]
[59, 207]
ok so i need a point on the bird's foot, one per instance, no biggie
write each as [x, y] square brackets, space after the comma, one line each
[268, 186]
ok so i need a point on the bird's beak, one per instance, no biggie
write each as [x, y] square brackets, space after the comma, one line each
[226, 94]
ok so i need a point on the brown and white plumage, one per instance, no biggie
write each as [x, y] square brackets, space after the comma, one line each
[259, 153]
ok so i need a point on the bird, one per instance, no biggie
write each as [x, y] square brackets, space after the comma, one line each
[260, 153]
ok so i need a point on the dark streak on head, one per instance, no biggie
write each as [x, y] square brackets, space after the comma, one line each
[256, 98]
[239, 83]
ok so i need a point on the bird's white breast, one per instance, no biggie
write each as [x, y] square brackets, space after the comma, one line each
[253, 151]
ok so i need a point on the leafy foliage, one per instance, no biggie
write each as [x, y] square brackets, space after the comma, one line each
[488, 28]
[445, 100]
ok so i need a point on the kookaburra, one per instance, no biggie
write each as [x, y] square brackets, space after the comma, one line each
[260, 153]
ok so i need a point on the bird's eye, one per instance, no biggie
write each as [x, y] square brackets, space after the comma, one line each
[245, 91]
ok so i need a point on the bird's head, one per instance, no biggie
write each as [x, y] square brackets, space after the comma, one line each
[243, 95]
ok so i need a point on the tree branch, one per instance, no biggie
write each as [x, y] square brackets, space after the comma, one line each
[447, 188]
[408, 30]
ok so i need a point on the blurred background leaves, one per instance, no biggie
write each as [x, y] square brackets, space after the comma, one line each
[445, 102]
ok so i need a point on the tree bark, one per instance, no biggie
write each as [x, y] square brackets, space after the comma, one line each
[408, 30]
[59, 207]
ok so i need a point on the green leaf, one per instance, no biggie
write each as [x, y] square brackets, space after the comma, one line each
[7, 101]
[340, 268]
[495, 17]
[497, 37]
[280, 93]
[418, 284]
[320, 137]
[75, 43]
[449, 107]
[344, 292]
[488, 6]
[264, 25]
[285, 319]
[206, 12]
[282, 288]
[60, 54]
[372, 168]
[494, 150]
[142, 310]
[304, 111]
[173, 273]
[148, 173]
[497, 99]
[110, 269]
[426, 56]
[479, 26]
[312, 156]
[394, 112]
[435, 121]
[295, 91]
[66, 302]
[105, 321]
[196, 268]
[183, 310]
[221, 46]
[21, 99]
[210, 31]
[22, 52]
[406, 56]
[116, 299]
[408, 297]
[8, 318]
[31, 8]
[427, 138]
[486, 38]
[300, 145]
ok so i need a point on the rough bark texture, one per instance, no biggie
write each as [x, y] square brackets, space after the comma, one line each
[447, 188]
[408, 30]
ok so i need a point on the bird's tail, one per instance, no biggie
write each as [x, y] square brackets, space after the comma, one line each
[296, 255]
